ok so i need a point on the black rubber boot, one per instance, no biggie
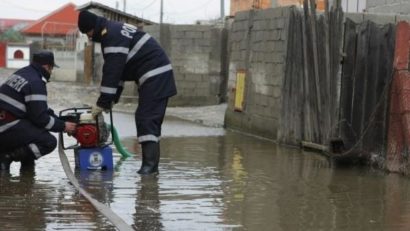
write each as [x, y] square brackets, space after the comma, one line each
[22, 154]
[28, 163]
[5, 161]
[150, 158]
[158, 157]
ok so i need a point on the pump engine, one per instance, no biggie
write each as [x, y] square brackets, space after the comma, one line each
[92, 150]
[89, 132]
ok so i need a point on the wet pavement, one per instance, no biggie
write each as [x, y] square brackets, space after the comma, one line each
[210, 179]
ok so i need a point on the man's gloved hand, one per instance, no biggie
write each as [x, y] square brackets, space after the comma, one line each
[69, 127]
[95, 110]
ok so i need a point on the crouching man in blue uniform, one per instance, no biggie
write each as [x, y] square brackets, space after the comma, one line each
[25, 119]
[133, 55]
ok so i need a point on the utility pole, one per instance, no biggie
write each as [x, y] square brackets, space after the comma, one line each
[347, 6]
[161, 26]
[124, 5]
[161, 12]
[222, 10]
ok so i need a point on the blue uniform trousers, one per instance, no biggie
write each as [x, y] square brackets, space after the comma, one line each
[149, 117]
[25, 134]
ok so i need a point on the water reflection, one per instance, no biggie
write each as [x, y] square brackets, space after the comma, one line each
[248, 184]
[21, 190]
[97, 183]
[147, 205]
[229, 182]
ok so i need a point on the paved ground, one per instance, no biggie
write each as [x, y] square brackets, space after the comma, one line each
[210, 179]
[63, 95]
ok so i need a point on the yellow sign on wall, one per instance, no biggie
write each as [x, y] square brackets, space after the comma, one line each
[240, 90]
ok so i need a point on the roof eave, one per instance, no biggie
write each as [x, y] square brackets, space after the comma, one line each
[102, 6]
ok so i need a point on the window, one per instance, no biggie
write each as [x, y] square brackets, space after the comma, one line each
[18, 54]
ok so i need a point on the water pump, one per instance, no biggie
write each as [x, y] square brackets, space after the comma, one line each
[92, 149]
[91, 132]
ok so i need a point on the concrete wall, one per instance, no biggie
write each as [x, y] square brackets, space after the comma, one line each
[378, 18]
[258, 46]
[14, 63]
[68, 62]
[197, 55]
[71, 63]
[388, 6]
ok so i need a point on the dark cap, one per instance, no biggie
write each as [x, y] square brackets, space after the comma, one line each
[44, 58]
[86, 21]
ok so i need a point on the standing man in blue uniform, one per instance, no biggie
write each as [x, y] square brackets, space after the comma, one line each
[133, 55]
[25, 118]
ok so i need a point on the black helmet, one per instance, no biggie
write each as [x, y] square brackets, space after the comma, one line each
[86, 21]
[44, 58]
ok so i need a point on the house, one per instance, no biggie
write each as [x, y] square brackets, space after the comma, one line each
[13, 55]
[92, 51]
[17, 55]
[111, 14]
[16, 24]
[320, 4]
[114, 14]
[243, 5]
[56, 30]
[50, 31]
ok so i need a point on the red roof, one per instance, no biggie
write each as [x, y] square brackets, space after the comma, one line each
[59, 22]
[6, 23]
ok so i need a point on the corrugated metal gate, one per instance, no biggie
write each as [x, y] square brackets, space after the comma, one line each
[398, 145]
[365, 81]
[310, 88]
[3, 54]
[340, 108]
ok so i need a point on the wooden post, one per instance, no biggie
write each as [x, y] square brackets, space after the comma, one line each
[336, 49]
[307, 121]
[328, 78]
[316, 66]
[88, 63]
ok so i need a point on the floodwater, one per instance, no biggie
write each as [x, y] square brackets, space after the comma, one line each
[210, 179]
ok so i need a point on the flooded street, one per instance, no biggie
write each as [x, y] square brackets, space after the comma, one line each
[210, 179]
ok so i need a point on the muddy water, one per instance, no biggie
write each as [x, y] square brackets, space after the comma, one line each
[210, 179]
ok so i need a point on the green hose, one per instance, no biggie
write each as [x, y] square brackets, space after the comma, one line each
[120, 148]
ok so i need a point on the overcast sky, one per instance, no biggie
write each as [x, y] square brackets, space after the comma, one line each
[175, 11]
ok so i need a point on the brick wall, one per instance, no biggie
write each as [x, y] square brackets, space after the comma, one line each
[258, 45]
[198, 56]
[197, 53]
[320, 4]
[244, 5]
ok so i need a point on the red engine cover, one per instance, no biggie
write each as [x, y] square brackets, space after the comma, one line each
[86, 135]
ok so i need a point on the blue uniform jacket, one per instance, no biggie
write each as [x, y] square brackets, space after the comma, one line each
[24, 94]
[132, 55]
